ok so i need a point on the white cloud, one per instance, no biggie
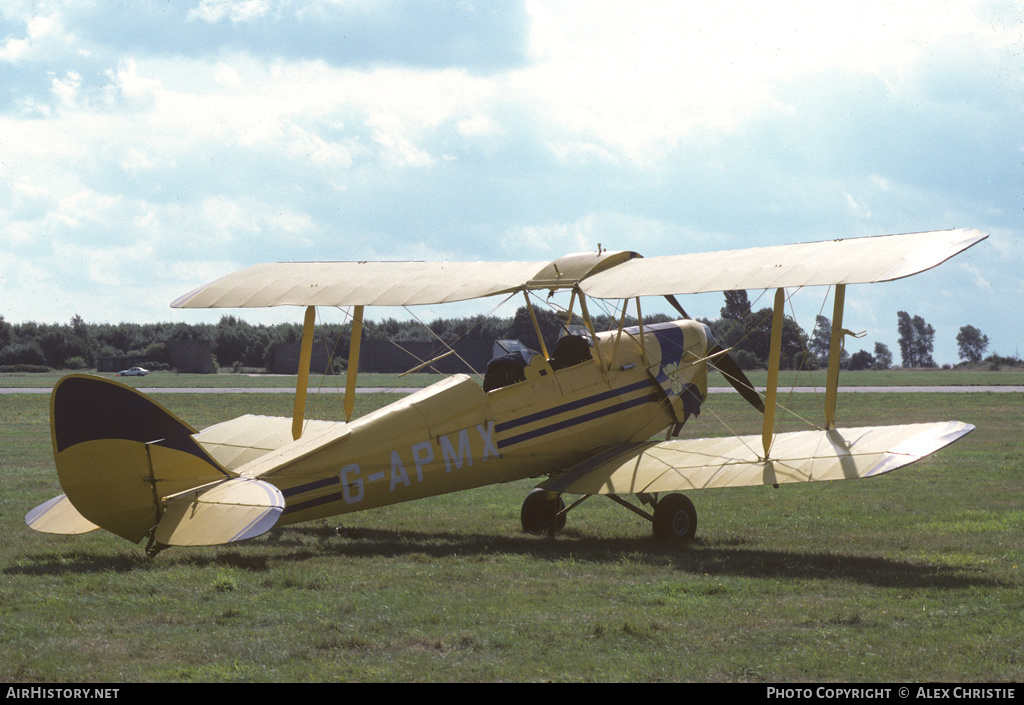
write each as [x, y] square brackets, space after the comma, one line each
[479, 125]
[42, 33]
[136, 161]
[639, 78]
[13, 49]
[66, 88]
[234, 10]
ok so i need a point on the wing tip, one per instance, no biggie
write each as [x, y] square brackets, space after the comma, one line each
[929, 441]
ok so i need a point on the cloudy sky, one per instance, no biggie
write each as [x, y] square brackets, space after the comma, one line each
[148, 146]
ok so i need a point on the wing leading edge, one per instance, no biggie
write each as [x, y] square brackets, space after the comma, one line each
[801, 456]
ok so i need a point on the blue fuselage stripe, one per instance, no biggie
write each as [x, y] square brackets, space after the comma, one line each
[315, 502]
[310, 486]
[575, 420]
[571, 406]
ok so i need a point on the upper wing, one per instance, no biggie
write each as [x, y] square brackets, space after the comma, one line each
[359, 284]
[802, 456]
[605, 274]
[852, 261]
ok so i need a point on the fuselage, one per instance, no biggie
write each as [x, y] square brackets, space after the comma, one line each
[454, 436]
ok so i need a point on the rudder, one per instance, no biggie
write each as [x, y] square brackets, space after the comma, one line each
[119, 454]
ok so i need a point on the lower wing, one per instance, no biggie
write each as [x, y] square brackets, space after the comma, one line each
[801, 456]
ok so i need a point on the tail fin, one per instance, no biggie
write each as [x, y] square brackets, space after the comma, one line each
[119, 454]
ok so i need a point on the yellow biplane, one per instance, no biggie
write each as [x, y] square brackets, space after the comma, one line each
[585, 416]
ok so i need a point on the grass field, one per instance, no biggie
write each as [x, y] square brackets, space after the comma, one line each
[881, 378]
[913, 576]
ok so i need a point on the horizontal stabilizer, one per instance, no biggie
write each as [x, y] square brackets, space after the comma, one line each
[801, 456]
[219, 513]
[239, 441]
[58, 516]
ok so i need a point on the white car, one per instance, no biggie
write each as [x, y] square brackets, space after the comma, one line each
[133, 372]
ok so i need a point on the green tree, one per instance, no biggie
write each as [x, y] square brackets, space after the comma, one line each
[737, 305]
[59, 343]
[239, 342]
[6, 333]
[821, 343]
[759, 339]
[821, 339]
[22, 353]
[750, 336]
[861, 360]
[917, 340]
[883, 356]
[971, 344]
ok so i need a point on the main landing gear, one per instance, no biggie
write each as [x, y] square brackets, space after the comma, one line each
[543, 511]
[674, 517]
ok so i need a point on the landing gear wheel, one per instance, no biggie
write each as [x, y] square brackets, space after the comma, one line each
[675, 518]
[540, 512]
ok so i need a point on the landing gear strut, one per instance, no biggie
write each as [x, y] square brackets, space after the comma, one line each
[153, 547]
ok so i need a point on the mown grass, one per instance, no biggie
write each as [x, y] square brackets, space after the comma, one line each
[914, 576]
[1010, 376]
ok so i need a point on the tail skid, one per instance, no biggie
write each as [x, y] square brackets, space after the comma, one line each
[130, 466]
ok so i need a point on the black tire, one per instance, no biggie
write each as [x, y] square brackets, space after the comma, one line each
[675, 518]
[540, 512]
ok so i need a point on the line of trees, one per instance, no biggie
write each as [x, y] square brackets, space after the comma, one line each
[234, 342]
[237, 343]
